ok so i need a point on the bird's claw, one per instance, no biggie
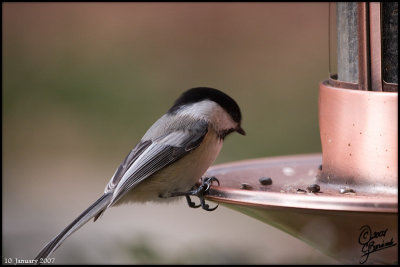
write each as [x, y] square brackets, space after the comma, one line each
[191, 203]
[199, 192]
[205, 186]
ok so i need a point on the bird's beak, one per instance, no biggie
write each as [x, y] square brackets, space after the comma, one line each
[240, 130]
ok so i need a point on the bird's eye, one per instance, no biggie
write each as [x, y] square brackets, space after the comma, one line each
[223, 134]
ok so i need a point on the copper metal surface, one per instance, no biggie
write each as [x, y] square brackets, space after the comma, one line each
[333, 81]
[389, 87]
[375, 44]
[328, 220]
[359, 137]
[334, 233]
[289, 174]
[363, 48]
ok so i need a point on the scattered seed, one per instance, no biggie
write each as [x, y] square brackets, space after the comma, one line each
[347, 191]
[246, 186]
[313, 188]
[265, 180]
[301, 191]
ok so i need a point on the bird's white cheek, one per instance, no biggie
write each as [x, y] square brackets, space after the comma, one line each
[221, 120]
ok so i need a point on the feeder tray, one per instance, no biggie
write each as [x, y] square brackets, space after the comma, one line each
[339, 220]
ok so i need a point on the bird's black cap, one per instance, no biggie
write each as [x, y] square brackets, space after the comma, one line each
[198, 94]
[203, 93]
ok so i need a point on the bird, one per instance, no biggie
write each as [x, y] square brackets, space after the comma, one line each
[169, 160]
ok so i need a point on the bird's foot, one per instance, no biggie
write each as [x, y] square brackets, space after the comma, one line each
[199, 192]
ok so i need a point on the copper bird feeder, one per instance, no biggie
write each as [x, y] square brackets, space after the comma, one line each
[343, 202]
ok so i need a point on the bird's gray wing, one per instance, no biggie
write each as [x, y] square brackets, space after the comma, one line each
[119, 173]
[129, 159]
[152, 156]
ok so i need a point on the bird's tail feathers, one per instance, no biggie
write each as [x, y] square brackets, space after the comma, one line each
[93, 211]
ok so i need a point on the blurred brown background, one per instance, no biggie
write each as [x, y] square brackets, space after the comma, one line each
[83, 82]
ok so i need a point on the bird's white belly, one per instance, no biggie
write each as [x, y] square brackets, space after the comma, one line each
[180, 176]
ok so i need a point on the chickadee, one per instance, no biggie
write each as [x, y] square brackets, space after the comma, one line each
[170, 158]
